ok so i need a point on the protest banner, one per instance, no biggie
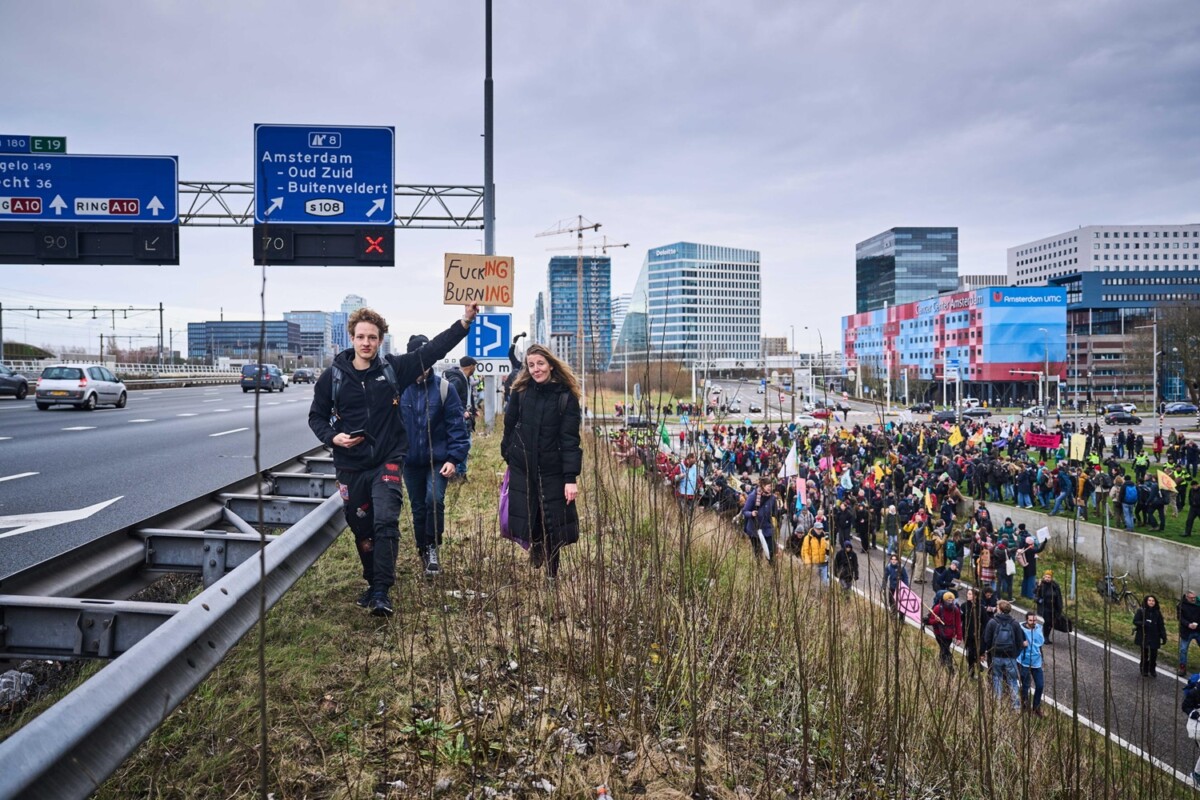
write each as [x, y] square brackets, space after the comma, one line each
[1046, 440]
[908, 602]
[473, 278]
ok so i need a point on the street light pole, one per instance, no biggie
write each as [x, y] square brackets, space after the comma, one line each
[794, 387]
[1045, 381]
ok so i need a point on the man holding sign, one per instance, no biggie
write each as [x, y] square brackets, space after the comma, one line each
[355, 412]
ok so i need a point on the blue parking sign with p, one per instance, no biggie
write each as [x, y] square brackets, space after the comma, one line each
[490, 335]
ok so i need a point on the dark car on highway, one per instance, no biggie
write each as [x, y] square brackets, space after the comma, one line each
[13, 383]
[634, 421]
[921, 408]
[976, 412]
[944, 416]
[755, 408]
[1122, 418]
[265, 378]
[304, 375]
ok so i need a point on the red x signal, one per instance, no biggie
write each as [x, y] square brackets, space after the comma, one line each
[374, 245]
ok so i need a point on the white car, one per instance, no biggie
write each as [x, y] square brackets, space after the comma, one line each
[1034, 411]
[81, 385]
[808, 421]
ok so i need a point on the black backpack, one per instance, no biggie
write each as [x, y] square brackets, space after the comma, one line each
[1004, 643]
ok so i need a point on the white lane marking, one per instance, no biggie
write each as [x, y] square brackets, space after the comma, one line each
[293, 401]
[226, 433]
[250, 406]
[272, 404]
[24, 523]
[131, 421]
[81, 428]
[219, 410]
[18, 475]
[4, 438]
[185, 415]
[215, 400]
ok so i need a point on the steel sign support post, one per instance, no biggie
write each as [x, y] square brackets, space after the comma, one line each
[490, 388]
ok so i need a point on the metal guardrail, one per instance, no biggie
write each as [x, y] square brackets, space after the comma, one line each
[31, 368]
[77, 743]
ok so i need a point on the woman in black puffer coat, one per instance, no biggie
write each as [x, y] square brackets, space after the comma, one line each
[541, 448]
[1149, 634]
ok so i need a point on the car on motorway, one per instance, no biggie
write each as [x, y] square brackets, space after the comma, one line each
[921, 408]
[634, 421]
[1181, 407]
[977, 411]
[734, 408]
[262, 377]
[945, 416]
[807, 421]
[1122, 418]
[1034, 411]
[303, 375]
[1128, 408]
[755, 408]
[760, 390]
[81, 385]
[14, 383]
[822, 413]
[842, 405]
[970, 402]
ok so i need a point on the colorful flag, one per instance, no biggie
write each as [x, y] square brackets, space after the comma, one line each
[921, 442]
[1165, 482]
[908, 602]
[956, 437]
[929, 501]
[802, 491]
[878, 473]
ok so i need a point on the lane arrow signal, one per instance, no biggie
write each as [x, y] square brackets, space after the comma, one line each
[487, 350]
[276, 203]
[376, 206]
[152, 244]
[27, 523]
[155, 205]
[58, 204]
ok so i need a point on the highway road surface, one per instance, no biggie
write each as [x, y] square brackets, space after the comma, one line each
[69, 476]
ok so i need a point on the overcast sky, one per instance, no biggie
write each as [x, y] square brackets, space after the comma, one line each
[793, 128]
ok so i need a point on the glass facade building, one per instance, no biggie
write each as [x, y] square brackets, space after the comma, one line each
[695, 302]
[565, 313]
[903, 265]
[239, 339]
[316, 333]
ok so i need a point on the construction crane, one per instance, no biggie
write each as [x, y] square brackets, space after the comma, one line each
[580, 224]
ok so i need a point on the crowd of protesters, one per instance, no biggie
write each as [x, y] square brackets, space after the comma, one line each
[921, 493]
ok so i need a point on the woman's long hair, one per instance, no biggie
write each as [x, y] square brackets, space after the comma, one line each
[559, 371]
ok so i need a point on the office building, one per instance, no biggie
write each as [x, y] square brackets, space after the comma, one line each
[774, 346]
[239, 340]
[1117, 278]
[316, 334]
[620, 307]
[539, 331]
[352, 303]
[568, 279]
[338, 331]
[968, 282]
[903, 265]
[1001, 341]
[694, 303]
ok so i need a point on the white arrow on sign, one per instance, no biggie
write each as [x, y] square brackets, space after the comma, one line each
[276, 202]
[26, 523]
[58, 204]
[487, 350]
[155, 205]
[376, 206]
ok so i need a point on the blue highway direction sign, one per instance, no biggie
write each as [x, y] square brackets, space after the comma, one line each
[62, 188]
[490, 335]
[324, 175]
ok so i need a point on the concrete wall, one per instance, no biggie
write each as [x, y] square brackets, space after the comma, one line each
[1145, 558]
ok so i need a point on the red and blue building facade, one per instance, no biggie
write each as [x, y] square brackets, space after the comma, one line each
[984, 333]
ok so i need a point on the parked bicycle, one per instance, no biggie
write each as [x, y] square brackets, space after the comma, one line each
[1106, 587]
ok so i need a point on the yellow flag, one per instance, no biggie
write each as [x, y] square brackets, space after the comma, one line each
[878, 473]
[921, 442]
[929, 501]
[956, 436]
[1165, 482]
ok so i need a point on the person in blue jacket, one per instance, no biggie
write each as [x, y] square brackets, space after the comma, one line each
[438, 442]
[759, 515]
[1029, 664]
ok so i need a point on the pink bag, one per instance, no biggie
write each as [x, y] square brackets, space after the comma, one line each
[505, 532]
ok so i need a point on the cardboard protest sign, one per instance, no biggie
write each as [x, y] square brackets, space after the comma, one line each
[473, 278]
